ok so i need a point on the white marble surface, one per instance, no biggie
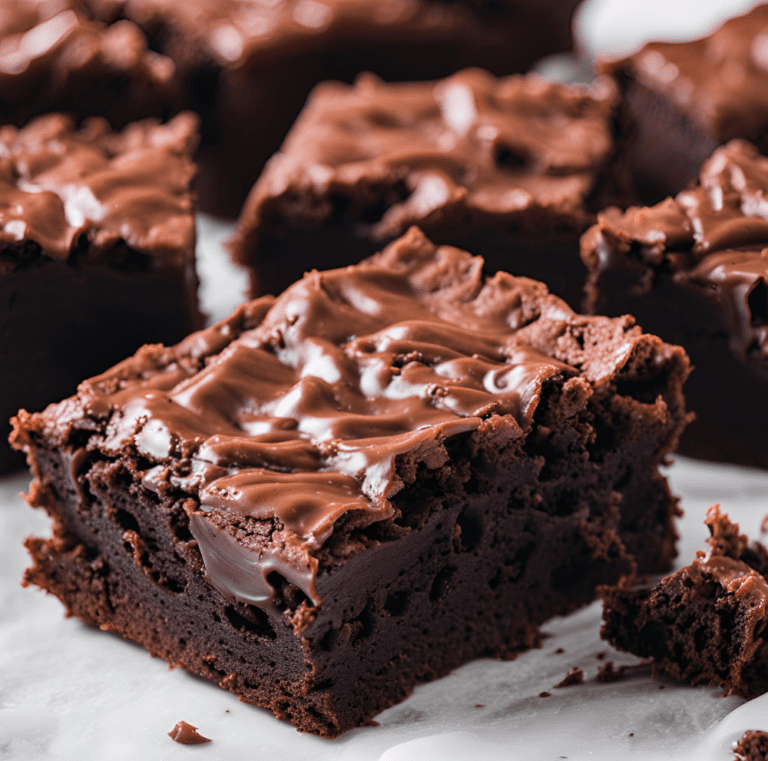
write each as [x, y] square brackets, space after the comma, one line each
[70, 692]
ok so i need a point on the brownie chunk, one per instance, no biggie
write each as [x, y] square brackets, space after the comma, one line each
[752, 746]
[694, 270]
[705, 624]
[510, 168]
[389, 470]
[97, 251]
[683, 99]
[248, 67]
[54, 58]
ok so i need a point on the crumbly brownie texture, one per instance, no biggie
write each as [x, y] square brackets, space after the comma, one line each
[682, 100]
[53, 58]
[390, 470]
[248, 67]
[512, 168]
[96, 251]
[752, 746]
[694, 270]
[705, 624]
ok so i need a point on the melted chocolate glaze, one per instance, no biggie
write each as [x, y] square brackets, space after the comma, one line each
[298, 422]
[702, 255]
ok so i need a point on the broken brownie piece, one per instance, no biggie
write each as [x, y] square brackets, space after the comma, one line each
[97, 251]
[511, 168]
[247, 67]
[334, 495]
[683, 99]
[54, 58]
[752, 746]
[694, 270]
[705, 624]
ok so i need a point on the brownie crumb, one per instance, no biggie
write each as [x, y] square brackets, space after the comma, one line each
[545, 694]
[559, 651]
[573, 677]
[600, 656]
[186, 734]
[753, 746]
[479, 705]
[607, 673]
[631, 734]
[764, 525]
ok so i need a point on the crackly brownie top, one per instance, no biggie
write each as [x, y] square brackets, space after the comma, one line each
[295, 414]
[45, 45]
[234, 32]
[714, 236]
[721, 81]
[471, 143]
[60, 185]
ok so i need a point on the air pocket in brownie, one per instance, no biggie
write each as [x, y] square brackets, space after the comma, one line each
[334, 495]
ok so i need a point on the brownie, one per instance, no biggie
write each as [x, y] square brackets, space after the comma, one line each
[334, 495]
[694, 271]
[97, 256]
[54, 58]
[683, 99]
[511, 168]
[248, 67]
[752, 746]
[705, 624]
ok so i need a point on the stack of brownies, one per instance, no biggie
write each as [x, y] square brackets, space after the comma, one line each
[405, 458]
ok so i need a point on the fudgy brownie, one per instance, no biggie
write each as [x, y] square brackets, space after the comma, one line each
[389, 470]
[97, 256]
[511, 168]
[248, 67]
[54, 58]
[683, 99]
[694, 270]
[708, 622]
[752, 746]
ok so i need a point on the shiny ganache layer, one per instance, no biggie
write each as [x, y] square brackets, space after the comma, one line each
[714, 237]
[719, 81]
[50, 52]
[512, 149]
[60, 184]
[299, 421]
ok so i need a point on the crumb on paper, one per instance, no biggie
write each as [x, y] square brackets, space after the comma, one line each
[559, 651]
[573, 677]
[186, 734]
[545, 694]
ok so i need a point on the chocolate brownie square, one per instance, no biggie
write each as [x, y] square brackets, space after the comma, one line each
[247, 67]
[97, 251]
[694, 270]
[705, 624]
[54, 58]
[683, 99]
[511, 168]
[334, 495]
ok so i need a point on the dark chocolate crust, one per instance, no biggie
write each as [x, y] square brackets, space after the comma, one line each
[96, 251]
[680, 100]
[706, 623]
[368, 512]
[229, 66]
[694, 270]
[512, 168]
[752, 746]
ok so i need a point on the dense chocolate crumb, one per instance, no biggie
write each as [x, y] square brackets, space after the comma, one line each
[753, 746]
[764, 525]
[559, 651]
[608, 673]
[186, 734]
[600, 656]
[479, 705]
[573, 677]
[545, 694]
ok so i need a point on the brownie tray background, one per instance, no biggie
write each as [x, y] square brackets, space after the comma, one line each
[67, 691]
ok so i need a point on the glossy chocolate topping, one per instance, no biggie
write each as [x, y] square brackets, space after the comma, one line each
[721, 81]
[235, 32]
[471, 143]
[291, 415]
[58, 183]
[46, 45]
[714, 236]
